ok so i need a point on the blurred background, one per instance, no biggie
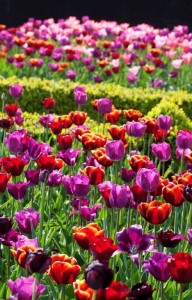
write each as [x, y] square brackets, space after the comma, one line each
[162, 13]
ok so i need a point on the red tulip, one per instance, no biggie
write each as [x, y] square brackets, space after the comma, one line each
[49, 103]
[78, 117]
[4, 178]
[102, 248]
[132, 114]
[138, 161]
[173, 194]
[117, 132]
[65, 141]
[13, 165]
[180, 267]
[95, 174]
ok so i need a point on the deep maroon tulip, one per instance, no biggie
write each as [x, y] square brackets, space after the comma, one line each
[104, 105]
[98, 275]
[164, 122]
[15, 90]
[180, 267]
[157, 266]
[32, 176]
[141, 291]
[120, 196]
[9, 238]
[147, 179]
[136, 129]
[5, 224]
[184, 139]
[115, 150]
[18, 190]
[79, 185]
[169, 239]
[27, 218]
[22, 288]
[37, 261]
[133, 241]
[127, 175]
[162, 151]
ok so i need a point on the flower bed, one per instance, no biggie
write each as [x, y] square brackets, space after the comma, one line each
[95, 210]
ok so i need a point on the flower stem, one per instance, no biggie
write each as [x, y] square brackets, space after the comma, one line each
[162, 290]
[180, 291]
[42, 208]
[94, 297]
[34, 289]
[63, 292]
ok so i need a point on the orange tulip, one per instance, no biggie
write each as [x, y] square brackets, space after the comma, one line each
[155, 212]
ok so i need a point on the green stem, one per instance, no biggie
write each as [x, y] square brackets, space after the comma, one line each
[162, 290]
[42, 208]
[63, 292]
[34, 289]
[180, 292]
[94, 297]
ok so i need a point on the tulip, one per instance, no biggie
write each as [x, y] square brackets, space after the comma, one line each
[79, 185]
[16, 141]
[155, 212]
[9, 238]
[49, 162]
[127, 175]
[184, 139]
[120, 196]
[89, 213]
[92, 141]
[49, 103]
[63, 269]
[13, 165]
[169, 239]
[82, 290]
[180, 267]
[95, 174]
[142, 291]
[65, 141]
[138, 161]
[147, 179]
[104, 105]
[173, 194]
[26, 219]
[55, 178]
[22, 240]
[78, 117]
[164, 122]
[105, 190]
[98, 275]
[80, 95]
[139, 195]
[18, 190]
[101, 157]
[117, 132]
[32, 176]
[162, 151]
[136, 129]
[83, 235]
[4, 178]
[115, 150]
[15, 90]
[102, 248]
[133, 241]
[189, 231]
[21, 254]
[37, 261]
[11, 109]
[113, 116]
[157, 266]
[5, 224]
[132, 114]
[188, 193]
[116, 290]
[22, 288]
[46, 120]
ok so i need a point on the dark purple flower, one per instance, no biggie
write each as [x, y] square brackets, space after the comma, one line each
[26, 219]
[164, 122]
[136, 129]
[169, 239]
[97, 78]
[32, 176]
[80, 95]
[35, 149]
[104, 105]
[98, 275]
[157, 266]
[18, 190]
[5, 224]
[10, 238]
[184, 139]
[69, 156]
[127, 175]
[162, 151]
[55, 178]
[115, 150]
[141, 291]
[15, 90]
[23, 288]
[147, 179]
[79, 185]
[77, 203]
[120, 196]
[133, 241]
[37, 261]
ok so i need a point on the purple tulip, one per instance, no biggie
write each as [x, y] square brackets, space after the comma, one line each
[104, 105]
[16, 141]
[80, 95]
[76, 203]
[55, 178]
[97, 78]
[147, 179]
[69, 156]
[189, 231]
[132, 78]
[115, 150]
[133, 241]
[120, 196]
[164, 122]
[32, 176]
[66, 182]
[79, 185]
[18, 190]
[157, 265]
[45, 120]
[53, 66]
[136, 129]
[184, 139]
[90, 213]
[182, 152]
[15, 90]
[35, 149]
[157, 83]
[26, 219]
[71, 74]
[162, 151]
[127, 175]
[22, 288]
[10, 238]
